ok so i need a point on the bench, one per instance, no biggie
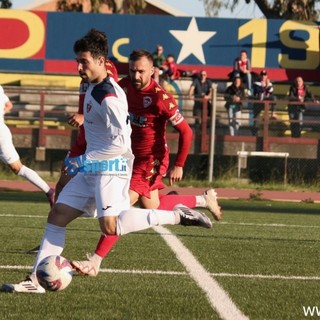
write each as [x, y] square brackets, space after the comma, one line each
[243, 155]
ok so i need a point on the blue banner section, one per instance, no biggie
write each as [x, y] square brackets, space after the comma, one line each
[16, 65]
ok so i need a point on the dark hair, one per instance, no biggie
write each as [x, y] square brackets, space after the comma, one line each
[95, 42]
[140, 53]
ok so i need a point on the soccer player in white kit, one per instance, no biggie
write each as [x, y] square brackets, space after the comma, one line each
[10, 156]
[102, 182]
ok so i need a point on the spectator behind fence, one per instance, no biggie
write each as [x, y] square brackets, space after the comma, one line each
[158, 61]
[298, 92]
[170, 68]
[242, 64]
[263, 91]
[201, 87]
[233, 95]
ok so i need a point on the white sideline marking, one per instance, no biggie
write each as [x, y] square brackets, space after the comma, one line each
[218, 298]
[278, 225]
[21, 216]
[177, 273]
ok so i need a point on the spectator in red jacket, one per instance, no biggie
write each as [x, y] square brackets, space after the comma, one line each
[170, 67]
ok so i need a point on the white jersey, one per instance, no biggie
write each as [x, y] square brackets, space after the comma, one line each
[8, 153]
[107, 131]
[3, 100]
[107, 126]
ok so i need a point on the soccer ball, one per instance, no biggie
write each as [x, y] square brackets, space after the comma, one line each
[54, 273]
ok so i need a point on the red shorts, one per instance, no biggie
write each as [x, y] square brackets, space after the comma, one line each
[147, 174]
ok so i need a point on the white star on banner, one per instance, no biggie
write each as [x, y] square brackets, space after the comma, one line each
[192, 40]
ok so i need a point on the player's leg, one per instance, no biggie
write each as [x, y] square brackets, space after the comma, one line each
[10, 156]
[52, 243]
[63, 180]
[136, 219]
[134, 197]
[207, 199]
[74, 200]
[117, 218]
[107, 241]
[151, 202]
[147, 187]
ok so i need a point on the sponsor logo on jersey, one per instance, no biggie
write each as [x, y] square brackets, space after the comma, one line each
[171, 105]
[137, 120]
[89, 106]
[147, 101]
[112, 167]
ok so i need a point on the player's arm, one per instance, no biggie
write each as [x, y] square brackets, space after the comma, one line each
[8, 106]
[209, 95]
[76, 120]
[191, 91]
[185, 138]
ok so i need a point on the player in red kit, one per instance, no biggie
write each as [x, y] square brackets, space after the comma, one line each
[151, 108]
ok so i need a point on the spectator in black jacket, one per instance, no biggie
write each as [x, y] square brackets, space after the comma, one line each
[298, 92]
[200, 88]
[263, 91]
[234, 95]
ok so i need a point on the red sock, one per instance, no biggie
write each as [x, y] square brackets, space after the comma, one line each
[105, 244]
[167, 202]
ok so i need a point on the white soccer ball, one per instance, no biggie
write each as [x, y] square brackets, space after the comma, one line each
[54, 273]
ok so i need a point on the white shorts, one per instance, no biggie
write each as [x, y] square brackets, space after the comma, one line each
[104, 194]
[8, 153]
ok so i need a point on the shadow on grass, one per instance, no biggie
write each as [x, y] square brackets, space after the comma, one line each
[21, 196]
[270, 207]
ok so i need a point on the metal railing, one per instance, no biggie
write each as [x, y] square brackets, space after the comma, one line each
[43, 113]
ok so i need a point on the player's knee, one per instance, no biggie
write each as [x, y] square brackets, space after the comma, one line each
[59, 216]
[150, 204]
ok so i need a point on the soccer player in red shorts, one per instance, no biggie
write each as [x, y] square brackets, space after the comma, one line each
[150, 108]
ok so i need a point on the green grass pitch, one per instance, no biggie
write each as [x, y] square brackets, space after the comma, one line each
[264, 255]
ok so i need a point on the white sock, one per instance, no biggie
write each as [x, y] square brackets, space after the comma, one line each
[52, 243]
[34, 178]
[201, 201]
[136, 219]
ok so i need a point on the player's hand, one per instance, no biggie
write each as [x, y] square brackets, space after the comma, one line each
[76, 120]
[175, 174]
